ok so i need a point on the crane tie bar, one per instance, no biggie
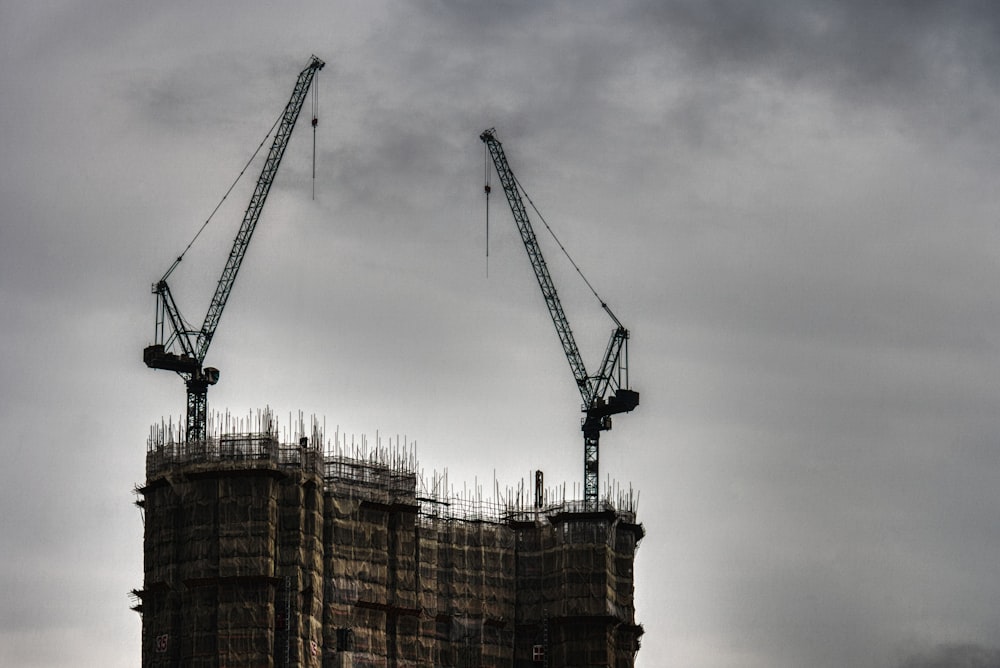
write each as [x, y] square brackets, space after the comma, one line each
[217, 206]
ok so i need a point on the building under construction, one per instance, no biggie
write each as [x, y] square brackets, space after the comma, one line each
[259, 553]
[262, 552]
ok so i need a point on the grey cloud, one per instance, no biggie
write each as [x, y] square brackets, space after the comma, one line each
[872, 46]
[954, 656]
[792, 205]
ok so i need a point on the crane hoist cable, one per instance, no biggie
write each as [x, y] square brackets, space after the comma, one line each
[315, 122]
[487, 189]
[548, 228]
[565, 252]
[219, 205]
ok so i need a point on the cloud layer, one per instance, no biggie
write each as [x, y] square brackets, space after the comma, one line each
[792, 206]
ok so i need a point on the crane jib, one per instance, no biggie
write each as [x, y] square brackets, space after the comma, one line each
[252, 215]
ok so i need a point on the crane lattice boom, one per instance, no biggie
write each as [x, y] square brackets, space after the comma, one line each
[253, 211]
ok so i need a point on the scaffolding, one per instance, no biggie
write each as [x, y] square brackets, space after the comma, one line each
[338, 553]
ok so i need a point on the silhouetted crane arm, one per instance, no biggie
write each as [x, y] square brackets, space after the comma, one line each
[548, 288]
[167, 313]
[252, 215]
[610, 365]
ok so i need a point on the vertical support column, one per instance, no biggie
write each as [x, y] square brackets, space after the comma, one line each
[546, 645]
[197, 409]
[591, 479]
[286, 628]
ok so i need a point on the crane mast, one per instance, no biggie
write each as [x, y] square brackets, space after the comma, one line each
[171, 328]
[603, 394]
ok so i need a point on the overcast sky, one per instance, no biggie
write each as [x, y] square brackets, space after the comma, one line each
[792, 205]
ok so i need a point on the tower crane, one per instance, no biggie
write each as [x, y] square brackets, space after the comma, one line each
[178, 346]
[605, 393]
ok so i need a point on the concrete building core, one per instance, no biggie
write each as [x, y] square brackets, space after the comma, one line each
[259, 553]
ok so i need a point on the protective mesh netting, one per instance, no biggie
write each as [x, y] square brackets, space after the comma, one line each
[271, 555]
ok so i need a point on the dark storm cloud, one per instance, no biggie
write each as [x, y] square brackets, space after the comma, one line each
[955, 656]
[869, 50]
[933, 66]
[791, 204]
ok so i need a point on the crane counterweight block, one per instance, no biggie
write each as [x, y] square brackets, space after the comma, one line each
[157, 357]
[623, 401]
